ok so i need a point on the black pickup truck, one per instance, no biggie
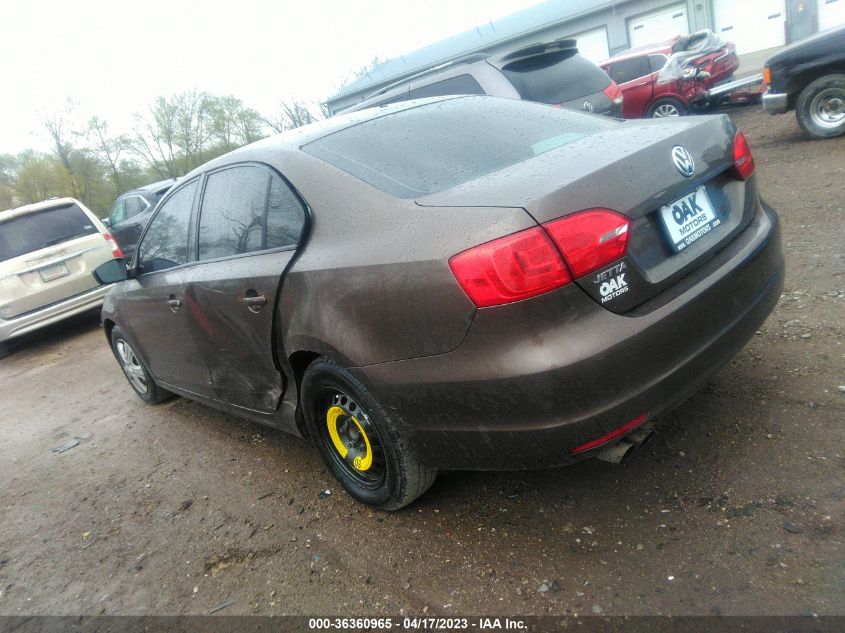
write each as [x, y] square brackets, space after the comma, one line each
[809, 77]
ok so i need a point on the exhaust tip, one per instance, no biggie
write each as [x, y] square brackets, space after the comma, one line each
[640, 437]
[617, 453]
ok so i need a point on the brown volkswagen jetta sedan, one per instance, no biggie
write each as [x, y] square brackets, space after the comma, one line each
[453, 283]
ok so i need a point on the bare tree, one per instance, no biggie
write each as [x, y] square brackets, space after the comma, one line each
[232, 123]
[108, 148]
[155, 138]
[292, 114]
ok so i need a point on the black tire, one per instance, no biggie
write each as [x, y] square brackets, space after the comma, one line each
[663, 107]
[394, 478]
[140, 376]
[4, 349]
[820, 108]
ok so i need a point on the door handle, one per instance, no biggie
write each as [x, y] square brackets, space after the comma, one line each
[174, 303]
[645, 83]
[255, 302]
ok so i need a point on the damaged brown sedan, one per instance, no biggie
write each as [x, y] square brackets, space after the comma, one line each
[453, 283]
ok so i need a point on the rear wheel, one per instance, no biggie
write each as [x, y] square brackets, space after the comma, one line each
[666, 108]
[821, 107]
[4, 349]
[135, 370]
[360, 445]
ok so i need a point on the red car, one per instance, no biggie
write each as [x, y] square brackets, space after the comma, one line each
[667, 78]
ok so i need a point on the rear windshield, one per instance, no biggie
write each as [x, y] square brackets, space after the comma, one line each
[430, 148]
[34, 231]
[556, 77]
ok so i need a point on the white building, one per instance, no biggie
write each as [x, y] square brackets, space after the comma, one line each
[606, 27]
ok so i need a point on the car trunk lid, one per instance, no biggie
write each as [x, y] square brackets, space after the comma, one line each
[630, 169]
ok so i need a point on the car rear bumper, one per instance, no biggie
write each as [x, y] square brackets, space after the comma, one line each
[537, 378]
[23, 324]
[775, 103]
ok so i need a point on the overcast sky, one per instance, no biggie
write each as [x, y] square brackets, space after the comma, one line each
[112, 57]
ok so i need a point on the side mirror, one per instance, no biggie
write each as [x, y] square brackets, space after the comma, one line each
[106, 221]
[111, 272]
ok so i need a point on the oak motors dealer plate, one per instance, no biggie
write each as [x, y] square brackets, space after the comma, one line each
[689, 218]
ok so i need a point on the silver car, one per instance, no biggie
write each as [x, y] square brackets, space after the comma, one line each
[49, 252]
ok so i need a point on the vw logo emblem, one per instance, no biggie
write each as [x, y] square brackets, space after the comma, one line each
[683, 161]
[588, 106]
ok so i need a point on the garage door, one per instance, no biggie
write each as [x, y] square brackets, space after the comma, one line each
[593, 44]
[753, 25]
[658, 26]
[831, 13]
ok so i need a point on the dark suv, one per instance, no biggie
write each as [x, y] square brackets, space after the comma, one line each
[809, 77]
[131, 211]
[547, 73]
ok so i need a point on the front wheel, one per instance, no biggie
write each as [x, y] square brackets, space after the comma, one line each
[362, 448]
[135, 370]
[666, 108]
[821, 107]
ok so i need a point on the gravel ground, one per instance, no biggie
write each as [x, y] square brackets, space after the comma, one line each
[736, 507]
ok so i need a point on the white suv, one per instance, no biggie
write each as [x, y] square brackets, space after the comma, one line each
[48, 254]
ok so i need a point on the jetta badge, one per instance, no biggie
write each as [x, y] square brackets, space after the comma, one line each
[588, 106]
[683, 161]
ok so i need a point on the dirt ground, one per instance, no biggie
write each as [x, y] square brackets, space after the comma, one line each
[737, 506]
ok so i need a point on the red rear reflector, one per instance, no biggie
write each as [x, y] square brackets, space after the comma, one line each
[613, 92]
[115, 249]
[590, 239]
[604, 439]
[743, 160]
[509, 269]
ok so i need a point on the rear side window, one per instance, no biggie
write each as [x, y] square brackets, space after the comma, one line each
[134, 205]
[556, 77]
[41, 229]
[247, 209]
[460, 85]
[627, 70]
[285, 215]
[165, 243]
[432, 147]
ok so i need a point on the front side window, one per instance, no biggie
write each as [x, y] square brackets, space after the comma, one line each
[627, 70]
[657, 62]
[118, 212]
[165, 243]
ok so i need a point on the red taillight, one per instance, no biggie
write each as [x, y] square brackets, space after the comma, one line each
[743, 160]
[604, 439]
[590, 239]
[510, 268]
[115, 249]
[613, 92]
